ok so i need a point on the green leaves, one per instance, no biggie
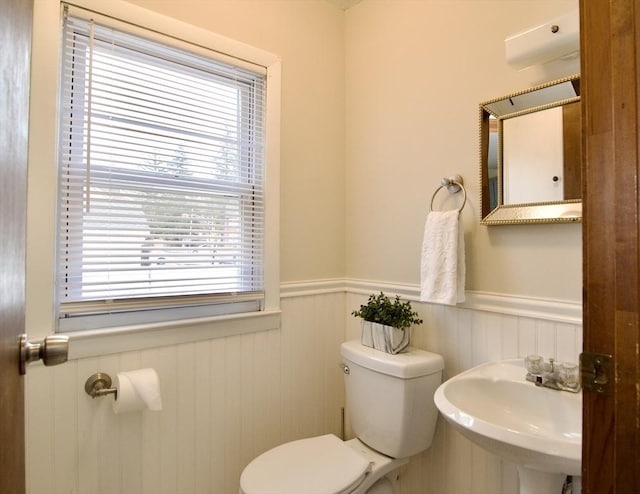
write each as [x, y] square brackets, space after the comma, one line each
[381, 309]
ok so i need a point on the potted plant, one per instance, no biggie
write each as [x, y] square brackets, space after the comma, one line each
[386, 323]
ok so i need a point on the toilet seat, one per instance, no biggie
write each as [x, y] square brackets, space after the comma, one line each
[318, 465]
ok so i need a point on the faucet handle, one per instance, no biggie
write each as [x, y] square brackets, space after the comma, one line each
[534, 364]
[569, 373]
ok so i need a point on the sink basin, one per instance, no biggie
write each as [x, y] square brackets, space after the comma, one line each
[538, 429]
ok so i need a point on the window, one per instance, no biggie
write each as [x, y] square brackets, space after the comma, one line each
[161, 193]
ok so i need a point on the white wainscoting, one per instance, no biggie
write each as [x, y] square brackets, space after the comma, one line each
[225, 401]
[466, 336]
[228, 399]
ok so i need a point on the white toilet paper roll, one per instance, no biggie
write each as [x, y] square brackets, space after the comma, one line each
[137, 390]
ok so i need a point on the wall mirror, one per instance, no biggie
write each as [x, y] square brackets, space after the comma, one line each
[530, 155]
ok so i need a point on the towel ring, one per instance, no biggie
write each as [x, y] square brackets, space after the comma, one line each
[453, 184]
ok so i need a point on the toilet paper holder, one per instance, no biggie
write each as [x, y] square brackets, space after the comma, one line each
[99, 384]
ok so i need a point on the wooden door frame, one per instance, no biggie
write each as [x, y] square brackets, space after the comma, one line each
[610, 55]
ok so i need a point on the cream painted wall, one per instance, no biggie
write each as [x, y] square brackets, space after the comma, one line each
[415, 74]
[379, 102]
[308, 35]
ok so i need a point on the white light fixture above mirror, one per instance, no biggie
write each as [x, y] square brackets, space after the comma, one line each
[555, 40]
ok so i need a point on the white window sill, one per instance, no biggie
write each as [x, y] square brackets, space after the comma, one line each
[93, 343]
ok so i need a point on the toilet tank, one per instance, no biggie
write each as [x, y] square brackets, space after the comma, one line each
[390, 397]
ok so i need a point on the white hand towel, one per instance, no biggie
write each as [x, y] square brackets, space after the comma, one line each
[442, 266]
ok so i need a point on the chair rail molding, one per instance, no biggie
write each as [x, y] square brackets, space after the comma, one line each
[565, 311]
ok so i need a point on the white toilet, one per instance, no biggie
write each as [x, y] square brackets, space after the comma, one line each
[390, 402]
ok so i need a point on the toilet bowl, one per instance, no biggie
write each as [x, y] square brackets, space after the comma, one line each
[390, 402]
[319, 465]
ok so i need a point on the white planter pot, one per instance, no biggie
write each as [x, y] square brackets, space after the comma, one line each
[384, 338]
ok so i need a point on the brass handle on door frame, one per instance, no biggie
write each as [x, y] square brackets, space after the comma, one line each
[53, 350]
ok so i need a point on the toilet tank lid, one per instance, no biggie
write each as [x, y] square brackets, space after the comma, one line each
[413, 363]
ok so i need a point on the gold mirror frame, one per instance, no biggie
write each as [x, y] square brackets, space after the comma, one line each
[564, 211]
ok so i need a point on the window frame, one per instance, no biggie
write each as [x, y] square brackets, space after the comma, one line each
[47, 22]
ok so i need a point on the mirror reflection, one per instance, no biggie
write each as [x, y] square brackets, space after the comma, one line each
[530, 155]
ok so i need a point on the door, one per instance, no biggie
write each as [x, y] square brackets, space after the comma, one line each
[610, 57]
[15, 40]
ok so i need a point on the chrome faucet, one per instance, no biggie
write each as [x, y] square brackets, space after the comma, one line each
[562, 376]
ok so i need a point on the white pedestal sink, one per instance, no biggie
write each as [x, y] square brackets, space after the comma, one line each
[538, 429]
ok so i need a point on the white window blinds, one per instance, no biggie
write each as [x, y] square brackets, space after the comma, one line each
[161, 180]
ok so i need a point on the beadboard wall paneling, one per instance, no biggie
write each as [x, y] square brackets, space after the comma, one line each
[228, 399]
[225, 401]
[465, 338]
